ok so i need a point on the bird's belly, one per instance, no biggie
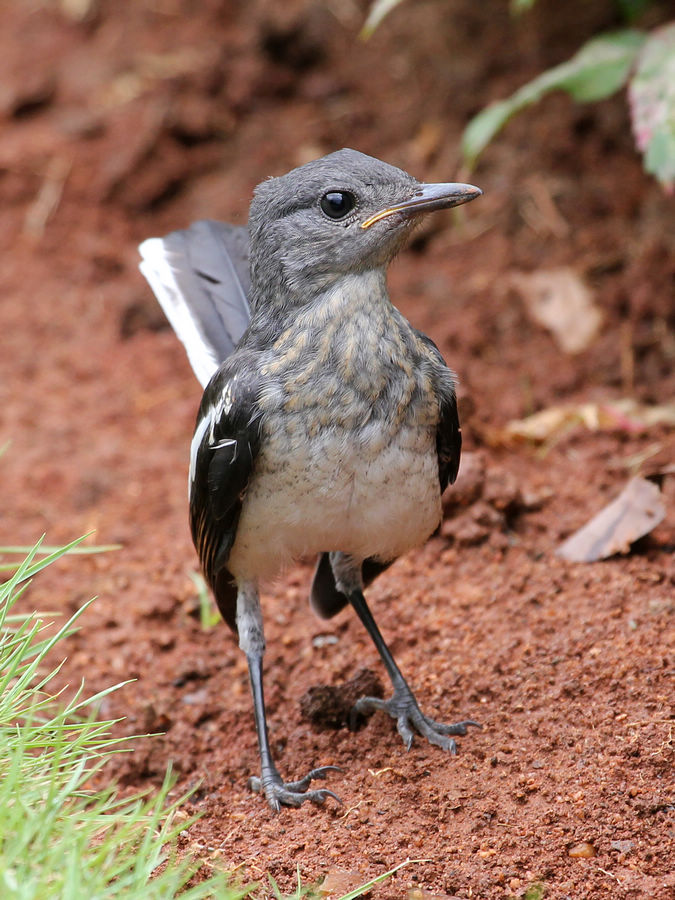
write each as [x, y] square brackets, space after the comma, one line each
[370, 494]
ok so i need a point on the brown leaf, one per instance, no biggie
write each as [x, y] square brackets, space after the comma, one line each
[560, 301]
[339, 882]
[635, 512]
[625, 415]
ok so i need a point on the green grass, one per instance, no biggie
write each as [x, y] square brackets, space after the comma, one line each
[208, 614]
[535, 891]
[61, 836]
[65, 831]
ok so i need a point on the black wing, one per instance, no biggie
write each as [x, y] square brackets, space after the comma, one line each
[448, 433]
[448, 441]
[224, 448]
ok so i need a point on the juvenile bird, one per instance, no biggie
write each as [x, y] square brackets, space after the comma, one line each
[328, 424]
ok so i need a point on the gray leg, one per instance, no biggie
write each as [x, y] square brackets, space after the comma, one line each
[402, 706]
[252, 642]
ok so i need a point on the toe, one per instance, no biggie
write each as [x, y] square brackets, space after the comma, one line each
[406, 732]
[255, 784]
[299, 787]
[370, 704]
[293, 793]
[322, 771]
[458, 728]
[319, 797]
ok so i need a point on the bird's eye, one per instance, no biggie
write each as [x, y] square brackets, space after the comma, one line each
[338, 204]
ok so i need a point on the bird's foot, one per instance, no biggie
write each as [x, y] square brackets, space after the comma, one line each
[292, 793]
[409, 718]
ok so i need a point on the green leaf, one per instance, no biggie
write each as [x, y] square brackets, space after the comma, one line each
[597, 70]
[484, 126]
[518, 7]
[632, 9]
[652, 101]
[364, 888]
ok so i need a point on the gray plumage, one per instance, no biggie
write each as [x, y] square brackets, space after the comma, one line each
[332, 428]
[207, 263]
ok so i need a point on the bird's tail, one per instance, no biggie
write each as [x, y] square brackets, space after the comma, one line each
[325, 598]
[201, 278]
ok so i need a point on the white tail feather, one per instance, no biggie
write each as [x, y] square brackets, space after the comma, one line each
[200, 278]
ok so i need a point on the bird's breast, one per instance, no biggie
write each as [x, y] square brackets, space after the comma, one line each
[347, 458]
[337, 471]
[369, 496]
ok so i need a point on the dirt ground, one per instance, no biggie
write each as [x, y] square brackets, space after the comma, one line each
[148, 114]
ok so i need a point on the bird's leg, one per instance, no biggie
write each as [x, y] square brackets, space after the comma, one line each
[402, 706]
[252, 642]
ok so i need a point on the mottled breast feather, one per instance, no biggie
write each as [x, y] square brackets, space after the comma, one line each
[221, 469]
[325, 598]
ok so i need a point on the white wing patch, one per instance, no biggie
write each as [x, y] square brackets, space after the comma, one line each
[208, 424]
[197, 438]
[157, 268]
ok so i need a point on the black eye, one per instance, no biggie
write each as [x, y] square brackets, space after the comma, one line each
[338, 204]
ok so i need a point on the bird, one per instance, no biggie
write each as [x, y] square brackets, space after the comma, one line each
[328, 426]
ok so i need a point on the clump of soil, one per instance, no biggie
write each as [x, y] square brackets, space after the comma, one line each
[331, 706]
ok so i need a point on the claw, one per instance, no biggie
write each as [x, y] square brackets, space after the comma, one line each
[403, 707]
[405, 731]
[293, 793]
[460, 728]
[319, 797]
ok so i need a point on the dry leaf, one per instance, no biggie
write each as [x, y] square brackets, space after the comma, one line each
[622, 415]
[339, 882]
[79, 10]
[635, 512]
[560, 301]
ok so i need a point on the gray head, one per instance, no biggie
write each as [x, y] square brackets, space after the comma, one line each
[342, 214]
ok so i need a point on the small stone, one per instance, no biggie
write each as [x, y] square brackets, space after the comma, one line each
[473, 526]
[535, 498]
[470, 480]
[419, 893]
[622, 846]
[502, 491]
[324, 640]
[195, 698]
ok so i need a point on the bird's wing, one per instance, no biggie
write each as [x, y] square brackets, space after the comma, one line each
[448, 442]
[224, 447]
[201, 278]
[448, 432]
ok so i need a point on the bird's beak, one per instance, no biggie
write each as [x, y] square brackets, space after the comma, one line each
[426, 198]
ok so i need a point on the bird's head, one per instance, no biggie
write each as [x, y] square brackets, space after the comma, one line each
[342, 214]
